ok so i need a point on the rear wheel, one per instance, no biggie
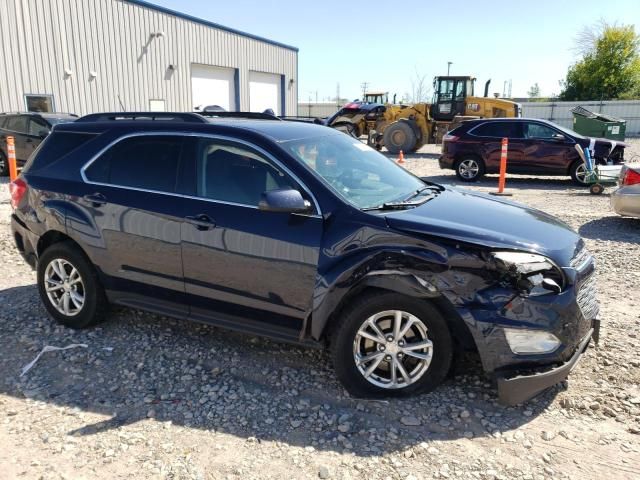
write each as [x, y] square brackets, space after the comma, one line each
[470, 169]
[578, 173]
[388, 344]
[69, 286]
[399, 136]
[4, 165]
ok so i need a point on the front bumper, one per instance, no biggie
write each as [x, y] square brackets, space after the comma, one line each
[519, 388]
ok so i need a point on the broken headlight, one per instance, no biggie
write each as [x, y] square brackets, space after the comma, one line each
[529, 273]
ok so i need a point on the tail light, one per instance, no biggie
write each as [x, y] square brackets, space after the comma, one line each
[450, 138]
[17, 189]
[631, 177]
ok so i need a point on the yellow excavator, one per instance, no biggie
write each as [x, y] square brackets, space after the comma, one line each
[408, 127]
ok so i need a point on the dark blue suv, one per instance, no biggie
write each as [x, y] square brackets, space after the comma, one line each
[302, 233]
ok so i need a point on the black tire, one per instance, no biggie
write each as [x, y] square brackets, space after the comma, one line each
[4, 165]
[356, 313]
[470, 169]
[596, 189]
[399, 136]
[575, 171]
[95, 303]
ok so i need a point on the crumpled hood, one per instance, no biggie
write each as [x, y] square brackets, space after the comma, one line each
[601, 145]
[477, 218]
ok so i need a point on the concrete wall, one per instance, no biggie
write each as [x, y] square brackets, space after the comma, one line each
[41, 39]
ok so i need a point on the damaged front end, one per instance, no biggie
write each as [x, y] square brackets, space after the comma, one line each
[532, 324]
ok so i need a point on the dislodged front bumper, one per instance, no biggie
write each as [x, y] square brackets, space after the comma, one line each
[518, 388]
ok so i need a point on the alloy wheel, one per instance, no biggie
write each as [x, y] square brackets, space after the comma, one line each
[392, 349]
[64, 286]
[468, 169]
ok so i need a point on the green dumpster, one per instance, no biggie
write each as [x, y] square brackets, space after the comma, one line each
[593, 124]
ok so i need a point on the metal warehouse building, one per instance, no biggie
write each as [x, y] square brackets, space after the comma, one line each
[84, 56]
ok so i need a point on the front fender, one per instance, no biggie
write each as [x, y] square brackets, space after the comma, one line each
[408, 272]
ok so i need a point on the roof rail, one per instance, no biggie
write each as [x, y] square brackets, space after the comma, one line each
[143, 116]
[250, 115]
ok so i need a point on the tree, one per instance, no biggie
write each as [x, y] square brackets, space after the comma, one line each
[609, 67]
[420, 90]
[534, 91]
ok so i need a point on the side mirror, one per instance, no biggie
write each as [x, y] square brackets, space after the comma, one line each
[558, 137]
[43, 133]
[286, 200]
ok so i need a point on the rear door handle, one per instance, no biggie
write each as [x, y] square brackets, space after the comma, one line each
[96, 199]
[201, 222]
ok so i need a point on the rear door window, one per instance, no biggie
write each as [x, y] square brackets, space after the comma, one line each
[17, 124]
[498, 130]
[147, 162]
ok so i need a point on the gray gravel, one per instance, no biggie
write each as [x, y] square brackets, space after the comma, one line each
[153, 397]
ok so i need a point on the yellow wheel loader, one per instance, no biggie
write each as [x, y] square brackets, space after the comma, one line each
[409, 127]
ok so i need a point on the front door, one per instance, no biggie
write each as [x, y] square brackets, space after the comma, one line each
[243, 266]
[132, 196]
[545, 149]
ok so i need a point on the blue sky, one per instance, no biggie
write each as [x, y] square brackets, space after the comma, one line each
[385, 43]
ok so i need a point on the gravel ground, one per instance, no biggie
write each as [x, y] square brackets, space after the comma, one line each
[151, 397]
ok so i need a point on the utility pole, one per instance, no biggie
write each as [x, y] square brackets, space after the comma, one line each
[365, 87]
[337, 93]
[449, 67]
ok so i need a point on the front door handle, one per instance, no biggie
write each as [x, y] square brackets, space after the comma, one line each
[96, 199]
[201, 222]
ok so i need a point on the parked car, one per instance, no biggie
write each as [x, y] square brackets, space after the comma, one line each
[27, 130]
[626, 199]
[301, 233]
[536, 147]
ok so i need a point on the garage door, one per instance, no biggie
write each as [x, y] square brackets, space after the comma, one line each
[265, 92]
[213, 86]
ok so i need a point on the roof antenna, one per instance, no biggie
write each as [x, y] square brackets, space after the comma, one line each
[121, 104]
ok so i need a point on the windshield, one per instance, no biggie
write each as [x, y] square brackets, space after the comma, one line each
[356, 172]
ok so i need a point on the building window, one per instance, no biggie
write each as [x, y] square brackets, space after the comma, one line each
[39, 103]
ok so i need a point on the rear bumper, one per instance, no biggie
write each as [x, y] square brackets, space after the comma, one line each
[446, 161]
[514, 388]
[24, 241]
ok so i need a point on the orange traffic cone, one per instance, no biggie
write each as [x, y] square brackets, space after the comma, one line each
[400, 157]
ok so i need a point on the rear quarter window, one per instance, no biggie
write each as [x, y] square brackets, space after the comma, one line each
[56, 146]
[498, 130]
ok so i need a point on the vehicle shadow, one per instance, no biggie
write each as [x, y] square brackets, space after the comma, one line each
[139, 366]
[613, 228]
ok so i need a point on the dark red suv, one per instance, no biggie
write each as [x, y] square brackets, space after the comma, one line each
[536, 147]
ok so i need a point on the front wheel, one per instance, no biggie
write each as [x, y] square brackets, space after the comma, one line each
[69, 286]
[389, 344]
[399, 136]
[579, 173]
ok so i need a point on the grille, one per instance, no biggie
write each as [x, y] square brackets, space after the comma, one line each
[587, 298]
[579, 259]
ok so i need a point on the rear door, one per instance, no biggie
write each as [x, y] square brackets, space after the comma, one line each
[490, 135]
[546, 149]
[131, 195]
[245, 267]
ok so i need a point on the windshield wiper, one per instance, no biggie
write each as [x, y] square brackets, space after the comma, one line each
[399, 205]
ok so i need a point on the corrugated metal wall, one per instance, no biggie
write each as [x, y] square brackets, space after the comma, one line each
[320, 110]
[42, 38]
[560, 112]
